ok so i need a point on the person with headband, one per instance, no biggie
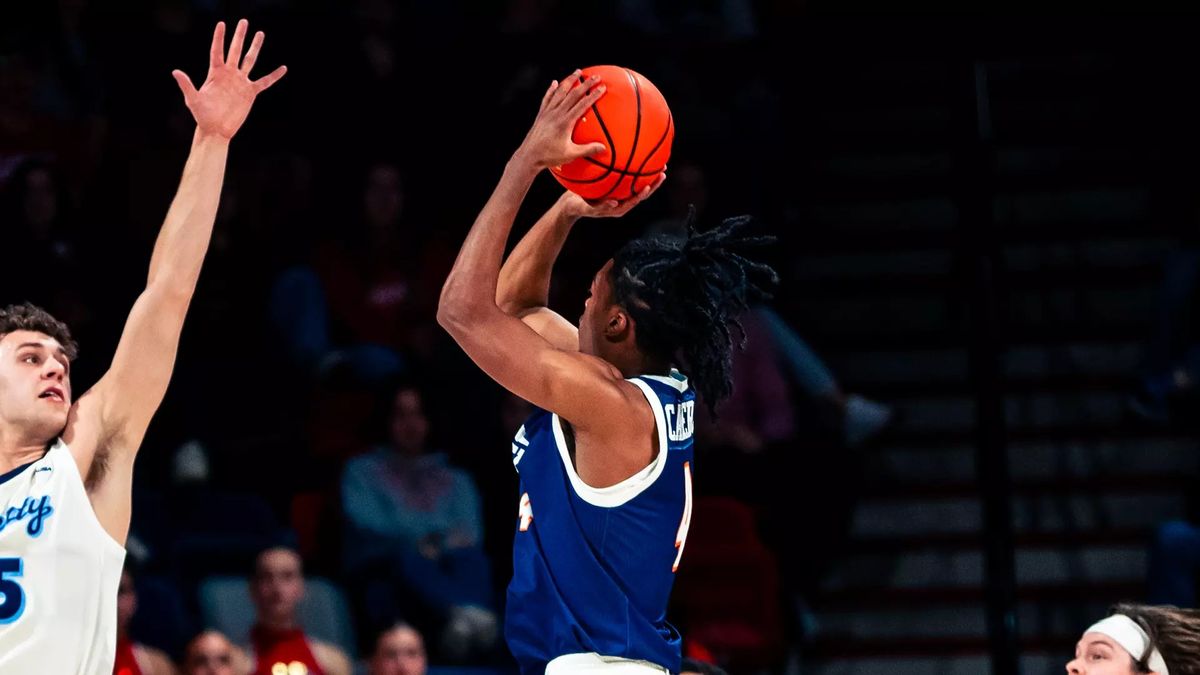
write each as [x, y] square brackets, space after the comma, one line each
[1138, 639]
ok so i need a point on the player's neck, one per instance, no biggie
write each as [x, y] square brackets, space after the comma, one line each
[15, 450]
[634, 363]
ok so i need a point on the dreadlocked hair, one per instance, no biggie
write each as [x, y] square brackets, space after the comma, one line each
[1174, 632]
[685, 291]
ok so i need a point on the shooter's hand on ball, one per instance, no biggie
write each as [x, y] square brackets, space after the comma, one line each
[548, 142]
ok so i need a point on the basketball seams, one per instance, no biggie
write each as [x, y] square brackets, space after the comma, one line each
[637, 129]
[661, 139]
[612, 152]
[632, 174]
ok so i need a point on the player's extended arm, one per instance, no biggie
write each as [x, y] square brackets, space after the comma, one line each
[112, 418]
[523, 290]
[578, 387]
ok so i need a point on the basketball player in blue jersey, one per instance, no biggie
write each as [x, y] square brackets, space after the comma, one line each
[605, 466]
[66, 464]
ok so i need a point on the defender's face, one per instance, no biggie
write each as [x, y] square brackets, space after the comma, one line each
[595, 311]
[35, 384]
[400, 651]
[1098, 654]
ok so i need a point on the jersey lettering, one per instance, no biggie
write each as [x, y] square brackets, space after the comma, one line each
[36, 510]
[680, 420]
[12, 597]
[519, 446]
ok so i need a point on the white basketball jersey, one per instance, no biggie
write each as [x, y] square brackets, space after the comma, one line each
[59, 572]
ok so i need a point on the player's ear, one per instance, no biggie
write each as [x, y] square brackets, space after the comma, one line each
[618, 325]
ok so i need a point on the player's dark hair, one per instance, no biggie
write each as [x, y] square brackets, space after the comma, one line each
[685, 291]
[1174, 632]
[27, 316]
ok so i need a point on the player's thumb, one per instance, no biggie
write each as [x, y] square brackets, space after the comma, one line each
[185, 84]
[587, 150]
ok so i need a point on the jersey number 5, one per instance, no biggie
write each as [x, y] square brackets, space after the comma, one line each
[12, 598]
[681, 535]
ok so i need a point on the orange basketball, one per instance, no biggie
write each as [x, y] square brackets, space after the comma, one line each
[632, 119]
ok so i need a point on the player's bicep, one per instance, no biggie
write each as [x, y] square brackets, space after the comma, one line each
[128, 395]
[580, 388]
[552, 326]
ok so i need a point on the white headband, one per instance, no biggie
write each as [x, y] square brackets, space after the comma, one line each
[1127, 633]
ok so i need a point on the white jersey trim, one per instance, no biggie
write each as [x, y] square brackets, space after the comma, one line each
[675, 380]
[626, 490]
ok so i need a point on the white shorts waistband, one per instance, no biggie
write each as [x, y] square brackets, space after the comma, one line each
[568, 664]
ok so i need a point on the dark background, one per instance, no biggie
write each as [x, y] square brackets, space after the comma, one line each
[972, 211]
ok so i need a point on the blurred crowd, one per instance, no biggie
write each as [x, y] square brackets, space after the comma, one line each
[319, 424]
[328, 484]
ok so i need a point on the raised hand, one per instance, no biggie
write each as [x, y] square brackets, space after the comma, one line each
[222, 103]
[548, 142]
[578, 207]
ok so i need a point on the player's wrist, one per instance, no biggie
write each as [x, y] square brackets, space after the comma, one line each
[569, 208]
[526, 159]
[209, 138]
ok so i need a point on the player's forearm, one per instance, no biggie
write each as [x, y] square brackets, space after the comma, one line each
[187, 229]
[471, 286]
[525, 277]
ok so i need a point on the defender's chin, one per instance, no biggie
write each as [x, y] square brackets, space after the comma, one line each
[50, 425]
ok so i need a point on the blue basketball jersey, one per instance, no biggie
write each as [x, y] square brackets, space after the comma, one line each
[593, 567]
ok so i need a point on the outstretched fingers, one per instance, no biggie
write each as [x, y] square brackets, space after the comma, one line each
[264, 83]
[564, 89]
[185, 84]
[587, 95]
[216, 52]
[235, 45]
[252, 53]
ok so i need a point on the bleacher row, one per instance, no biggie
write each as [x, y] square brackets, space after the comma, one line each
[880, 291]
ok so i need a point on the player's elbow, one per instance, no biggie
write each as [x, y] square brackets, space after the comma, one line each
[453, 312]
[171, 289]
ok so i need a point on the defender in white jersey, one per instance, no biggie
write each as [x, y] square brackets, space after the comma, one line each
[66, 466]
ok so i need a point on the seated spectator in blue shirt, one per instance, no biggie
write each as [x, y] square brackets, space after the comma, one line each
[415, 520]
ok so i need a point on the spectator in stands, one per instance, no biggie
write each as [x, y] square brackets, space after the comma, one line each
[1172, 355]
[760, 410]
[134, 658]
[1140, 639]
[1174, 564]
[40, 222]
[411, 514]
[277, 637]
[400, 650]
[211, 653]
[1171, 365]
[359, 303]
